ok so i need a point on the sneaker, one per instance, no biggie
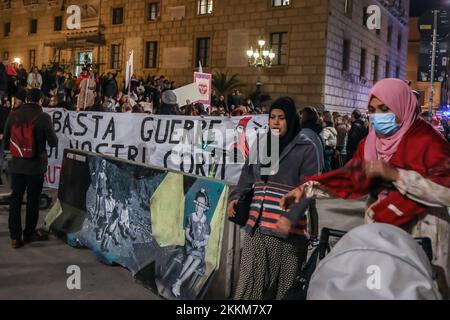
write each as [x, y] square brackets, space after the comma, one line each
[37, 236]
[16, 244]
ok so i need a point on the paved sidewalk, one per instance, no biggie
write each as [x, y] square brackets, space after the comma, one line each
[38, 270]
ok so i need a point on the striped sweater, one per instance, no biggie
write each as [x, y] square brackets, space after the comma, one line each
[297, 161]
[268, 196]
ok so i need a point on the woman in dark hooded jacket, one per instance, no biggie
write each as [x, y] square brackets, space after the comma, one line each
[275, 244]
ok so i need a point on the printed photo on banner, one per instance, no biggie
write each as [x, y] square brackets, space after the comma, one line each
[165, 227]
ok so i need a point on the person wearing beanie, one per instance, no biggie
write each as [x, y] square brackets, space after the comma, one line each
[27, 172]
[19, 99]
[275, 244]
[169, 104]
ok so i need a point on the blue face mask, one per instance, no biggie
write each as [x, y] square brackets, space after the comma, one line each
[384, 123]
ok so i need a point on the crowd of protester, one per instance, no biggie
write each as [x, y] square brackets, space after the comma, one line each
[340, 134]
[151, 95]
[375, 148]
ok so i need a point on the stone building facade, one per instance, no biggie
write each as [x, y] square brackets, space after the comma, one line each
[168, 37]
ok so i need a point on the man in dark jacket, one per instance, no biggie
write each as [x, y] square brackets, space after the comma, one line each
[4, 81]
[22, 76]
[28, 174]
[237, 99]
[109, 86]
[60, 85]
[47, 81]
[4, 113]
[357, 132]
[221, 103]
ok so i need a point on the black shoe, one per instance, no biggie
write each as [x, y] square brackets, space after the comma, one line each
[16, 244]
[37, 236]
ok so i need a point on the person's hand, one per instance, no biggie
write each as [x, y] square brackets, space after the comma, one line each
[380, 169]
[1, 136]
[291, 198]
[283, 226]
[231, 211]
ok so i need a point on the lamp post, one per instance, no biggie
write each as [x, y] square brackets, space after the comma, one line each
[261, 57]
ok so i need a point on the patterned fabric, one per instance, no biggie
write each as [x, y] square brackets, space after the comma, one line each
[269, 266]
[422, 190]
[350, 181]
[436, 226]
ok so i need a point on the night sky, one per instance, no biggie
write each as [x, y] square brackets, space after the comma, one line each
[418, 7]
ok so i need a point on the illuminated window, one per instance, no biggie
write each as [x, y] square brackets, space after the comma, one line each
[204, 7]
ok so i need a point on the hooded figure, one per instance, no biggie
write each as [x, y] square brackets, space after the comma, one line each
[287, 105]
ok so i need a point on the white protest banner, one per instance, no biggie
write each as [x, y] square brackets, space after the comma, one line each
[200, 146]
[187, 93]
[129, 71]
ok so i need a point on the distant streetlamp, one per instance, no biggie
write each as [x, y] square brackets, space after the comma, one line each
[261, 57]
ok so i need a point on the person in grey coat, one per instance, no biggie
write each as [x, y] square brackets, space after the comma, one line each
[312, 127]
[275, 244]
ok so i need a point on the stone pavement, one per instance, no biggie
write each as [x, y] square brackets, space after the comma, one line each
[38, 270]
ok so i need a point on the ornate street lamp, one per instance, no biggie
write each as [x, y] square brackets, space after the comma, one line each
[261, 57]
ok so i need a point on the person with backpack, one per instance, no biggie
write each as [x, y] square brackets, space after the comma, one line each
[27, 131]
[329, 136]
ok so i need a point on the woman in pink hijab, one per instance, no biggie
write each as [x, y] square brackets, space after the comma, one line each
[399, 141]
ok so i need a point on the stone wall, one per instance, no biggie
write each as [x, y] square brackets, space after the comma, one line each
[20, 42]
[345, 91]
[233, 27]
[316, 28]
